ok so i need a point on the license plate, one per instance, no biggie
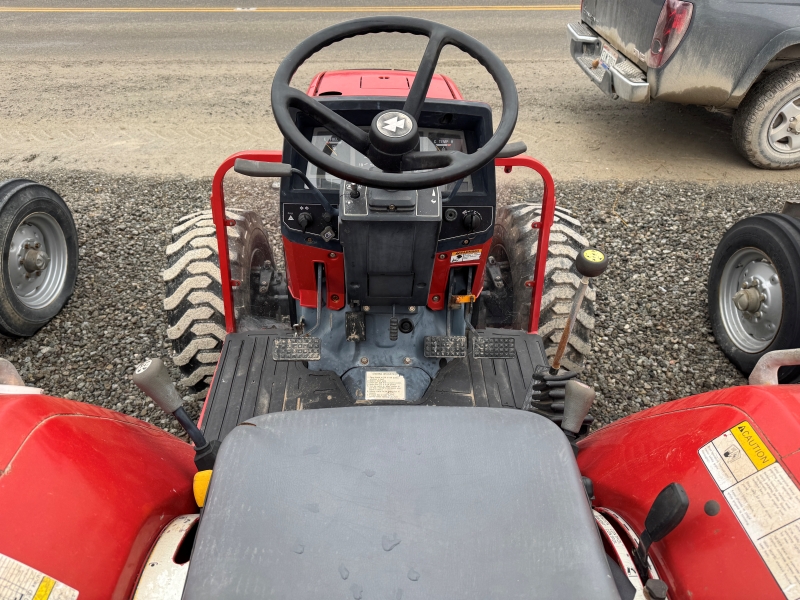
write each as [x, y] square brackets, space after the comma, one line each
[608, 57]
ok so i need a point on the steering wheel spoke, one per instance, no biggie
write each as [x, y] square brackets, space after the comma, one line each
[427, 67]
[431, 159]
[333, 122]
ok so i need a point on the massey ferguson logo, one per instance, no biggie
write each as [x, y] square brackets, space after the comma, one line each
[394, 124]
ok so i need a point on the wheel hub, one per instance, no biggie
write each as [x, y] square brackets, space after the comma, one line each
[784, 131]
[37, 260]
[751, 300]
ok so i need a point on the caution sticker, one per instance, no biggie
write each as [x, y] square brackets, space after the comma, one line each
[384, 385]
[763, 497]
[470, 255]
[21, 582]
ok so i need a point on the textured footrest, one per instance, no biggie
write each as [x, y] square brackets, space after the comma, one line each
[493, 347]
[296, 349]
[442, 346]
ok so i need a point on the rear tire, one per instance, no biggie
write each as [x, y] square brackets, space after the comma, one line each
[762, 130]
[513, 249]
[193, 302]
[740, 256]
[36, 230]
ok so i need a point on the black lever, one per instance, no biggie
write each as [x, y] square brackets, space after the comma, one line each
[513, 149]
[665, 514]
[153, 379]
[257, 168]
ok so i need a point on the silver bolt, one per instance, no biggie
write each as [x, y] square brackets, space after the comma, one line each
[332, 255]
[407, 360]
[763, 297]
[412, 309]
[364, 360]
[365, 308]
[759, 314]
[442, 256]
[492, 260]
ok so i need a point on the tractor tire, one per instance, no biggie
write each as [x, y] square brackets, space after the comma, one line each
[39, 244]
[193, 302]
[766, 129]
[513, 251]
[762, 252]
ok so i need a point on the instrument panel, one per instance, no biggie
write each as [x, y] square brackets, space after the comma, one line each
[430, 140]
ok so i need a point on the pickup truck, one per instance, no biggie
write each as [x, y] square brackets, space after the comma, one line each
[736, 56]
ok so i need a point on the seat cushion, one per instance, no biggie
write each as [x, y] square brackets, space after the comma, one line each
[397, 502]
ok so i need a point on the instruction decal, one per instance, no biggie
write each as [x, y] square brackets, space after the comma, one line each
[384, 385]
[763, 497]
[470, 255]
[21, 582]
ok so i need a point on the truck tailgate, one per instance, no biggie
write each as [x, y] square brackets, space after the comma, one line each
[627, 24]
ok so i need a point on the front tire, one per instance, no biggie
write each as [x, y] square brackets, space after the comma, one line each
[513, 253]
[195, 311]
[754, 291]
[766, 129]
[40, 256]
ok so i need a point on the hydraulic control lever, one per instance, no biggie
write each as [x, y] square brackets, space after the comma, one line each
[590, 263]
[153, 379]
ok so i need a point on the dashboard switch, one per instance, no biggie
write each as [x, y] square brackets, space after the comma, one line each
[304, 219]
[472, 220]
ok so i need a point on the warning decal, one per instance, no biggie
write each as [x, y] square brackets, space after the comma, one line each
[21, 582]
[763, 497]
[470, 255]
[385, 385]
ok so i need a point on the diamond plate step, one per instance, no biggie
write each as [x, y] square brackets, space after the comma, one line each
[493, 347]
[296, 349]
[442, 346]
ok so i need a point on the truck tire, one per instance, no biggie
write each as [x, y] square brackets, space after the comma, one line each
[766, 129]
[39, 244]
[193, 302]
[763, 253]
[513, 254]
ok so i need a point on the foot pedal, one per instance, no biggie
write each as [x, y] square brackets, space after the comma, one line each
[493, 347]
[307, 348]
[443, 346]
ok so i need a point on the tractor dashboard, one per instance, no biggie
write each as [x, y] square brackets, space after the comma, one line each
[466, 218]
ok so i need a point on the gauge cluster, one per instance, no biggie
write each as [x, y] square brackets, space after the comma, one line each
[430, 139]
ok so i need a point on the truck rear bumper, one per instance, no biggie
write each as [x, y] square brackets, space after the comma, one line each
[624, 79]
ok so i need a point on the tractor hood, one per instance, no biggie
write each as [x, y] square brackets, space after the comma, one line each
[397, 502]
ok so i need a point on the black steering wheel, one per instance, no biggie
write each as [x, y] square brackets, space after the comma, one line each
[392, 141]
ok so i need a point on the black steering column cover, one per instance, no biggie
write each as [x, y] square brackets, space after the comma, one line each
[398, 501]
[444, 167]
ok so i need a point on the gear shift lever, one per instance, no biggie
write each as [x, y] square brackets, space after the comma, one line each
[590, 263]
[153, 379]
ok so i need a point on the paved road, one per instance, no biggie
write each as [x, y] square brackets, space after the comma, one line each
[139, 89]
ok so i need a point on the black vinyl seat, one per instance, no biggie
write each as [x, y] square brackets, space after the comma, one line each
[396, 502]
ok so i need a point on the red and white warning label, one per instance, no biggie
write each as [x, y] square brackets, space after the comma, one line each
[762, 496]
[21, 582]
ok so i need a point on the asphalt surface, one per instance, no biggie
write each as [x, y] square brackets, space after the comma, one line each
[133, 89]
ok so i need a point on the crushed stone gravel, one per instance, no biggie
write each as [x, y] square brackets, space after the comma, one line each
[653, 339]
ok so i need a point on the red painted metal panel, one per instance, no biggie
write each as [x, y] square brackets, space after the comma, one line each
[301, 264]
[378, 82]
[631, 460]
[441, 273]
[85, 491]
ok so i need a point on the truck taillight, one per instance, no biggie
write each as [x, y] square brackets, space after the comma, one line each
[673, 22]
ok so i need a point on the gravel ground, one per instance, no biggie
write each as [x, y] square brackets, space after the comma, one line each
[653, 340]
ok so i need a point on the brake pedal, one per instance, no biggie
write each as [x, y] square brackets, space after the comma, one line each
[493, 347]
[306, 348]
[445, 346]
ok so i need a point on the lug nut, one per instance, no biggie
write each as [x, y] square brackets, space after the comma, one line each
[759, 314]
[36, 246]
